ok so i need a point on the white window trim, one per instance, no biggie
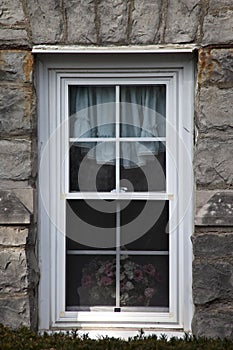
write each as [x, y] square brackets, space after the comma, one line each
[54, 72]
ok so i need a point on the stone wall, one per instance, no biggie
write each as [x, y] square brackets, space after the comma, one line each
[207, 23]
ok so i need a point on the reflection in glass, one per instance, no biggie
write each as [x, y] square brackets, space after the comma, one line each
[144, 281]
[90, 280]
[143, 111]
[90, 224]
[143, 166]
[156, 236]
[92, 111]
[92, 166]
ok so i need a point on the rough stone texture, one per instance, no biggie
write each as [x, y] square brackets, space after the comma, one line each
[213, 322]
[112, 21]
[216, 211]
[213, 162]
[15, 159]
[213, 244]
[79, 30]
[46, 21]
[15, 312]
[212, 280]
[12, 211]
[14, 237]
[218, 25]
[182, 21]
[15, 109]
[146, 16]
[12, 37]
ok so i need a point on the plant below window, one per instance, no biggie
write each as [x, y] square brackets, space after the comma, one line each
[138, 282]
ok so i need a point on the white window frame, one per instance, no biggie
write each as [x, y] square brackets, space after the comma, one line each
[55, 73]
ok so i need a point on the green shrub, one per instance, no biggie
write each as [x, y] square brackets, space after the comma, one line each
[25, 339]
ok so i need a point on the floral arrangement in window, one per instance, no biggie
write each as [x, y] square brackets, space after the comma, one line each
[138, 282]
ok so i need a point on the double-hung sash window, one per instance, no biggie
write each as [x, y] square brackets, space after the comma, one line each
[115, 191]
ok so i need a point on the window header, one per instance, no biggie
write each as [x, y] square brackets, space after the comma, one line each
[172, 48]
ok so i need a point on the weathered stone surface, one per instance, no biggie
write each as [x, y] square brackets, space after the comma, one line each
[213, 322]
[113, 21]
[213, 244]
[182, 21]
[15, 311]
[215, 67]
[218, 24]
[19, 270]
[146, 16]
[13, 236]
[12, 37]
[217, 211]
[214, 109]
[11, 66]
[16, 109]
[12, 211]
[212, 280]
[15, 159]
[46, 21]
[213, 162]
[13, 265]
[11, 13]
[81, 21]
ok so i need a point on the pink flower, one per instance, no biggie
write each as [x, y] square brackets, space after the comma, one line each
[149, 292]
[149, 269]
[137, 275]
[86, 281]
[106, 281]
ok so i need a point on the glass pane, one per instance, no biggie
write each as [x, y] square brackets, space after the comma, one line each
[90, 224]
[90, 281]
[143, 166]
[143, 111]
[144, 226]
[92, 166]
[144, 281]
[92, 111]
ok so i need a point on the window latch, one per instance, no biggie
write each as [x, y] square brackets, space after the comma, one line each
[122, 189]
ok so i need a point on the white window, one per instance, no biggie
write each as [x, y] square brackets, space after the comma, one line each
[115, 183]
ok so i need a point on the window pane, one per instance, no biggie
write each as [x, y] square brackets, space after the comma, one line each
[144, 226]
[90, 224]
[90, 281]
[92, 111]
[92, 166]
[144, 281]
[143, 111]
[143, 166]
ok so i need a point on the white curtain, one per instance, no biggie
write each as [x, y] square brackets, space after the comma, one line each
[142, 114]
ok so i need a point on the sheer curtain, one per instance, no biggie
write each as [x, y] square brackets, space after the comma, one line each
[142, 114]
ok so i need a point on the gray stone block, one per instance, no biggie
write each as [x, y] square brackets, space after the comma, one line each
[11, 66]
[213, 244]
[11, 13]
[214, 109]
[213, 162]
[46, 21]
[113, 21]
[217, 211]
[15, 159]
[15, 311]
[13, 236]
[182, 21]
[216, 68]
[12, 37]
[12, 211]
[212, 280]
[146, 17]
[14, 274]
[213, 322]
[218, 24]
[81, 21]
[16, 109]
